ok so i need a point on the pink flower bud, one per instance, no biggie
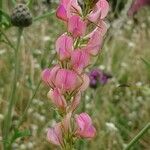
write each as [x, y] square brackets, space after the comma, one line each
[54, 135]
[57, 98]
[85, 129]
[100, 11]
[76, 26]
[64, 46]
[48, 76]
[79, 60]
[67, 80]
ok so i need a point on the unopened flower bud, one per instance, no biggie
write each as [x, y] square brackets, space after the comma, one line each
[21, 16]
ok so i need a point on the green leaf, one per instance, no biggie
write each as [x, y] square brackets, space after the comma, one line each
[21, 134]
[5, 21]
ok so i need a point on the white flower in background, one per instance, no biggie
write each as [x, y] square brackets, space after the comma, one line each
[111, 127]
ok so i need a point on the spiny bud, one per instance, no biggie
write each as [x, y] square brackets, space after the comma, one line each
[21, 16]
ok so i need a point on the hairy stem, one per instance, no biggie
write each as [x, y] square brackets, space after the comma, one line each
[8, 121]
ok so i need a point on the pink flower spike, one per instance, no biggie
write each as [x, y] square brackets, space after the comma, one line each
[100, 11]
[54, 135]
[57, 98]
[79, 60]
[76, 26]
[85, 129]
[64, 46]
[67, 80]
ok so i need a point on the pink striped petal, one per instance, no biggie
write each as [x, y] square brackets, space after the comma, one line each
[67, 80]
[64, 46]
[57, 98]
[85, 128]
[79, 60]
[100, 11]
[76, 26]
[61, 13]
[54, 135]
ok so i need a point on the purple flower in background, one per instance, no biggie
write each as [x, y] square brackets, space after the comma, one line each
[98, 77]
[137, 5]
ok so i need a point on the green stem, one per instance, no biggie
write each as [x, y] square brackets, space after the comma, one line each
[8, 121]
[138, 136]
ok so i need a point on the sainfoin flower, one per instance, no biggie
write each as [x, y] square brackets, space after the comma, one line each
[54, 135]
[100, 11]
[64, 46]
[67, 8]
[57, 98]
[76, 26]
[85, 128]
[67, 80]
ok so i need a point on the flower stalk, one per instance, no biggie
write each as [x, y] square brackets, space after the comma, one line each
[7, 121]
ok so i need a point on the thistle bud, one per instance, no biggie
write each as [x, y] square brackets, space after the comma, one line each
[21, 16]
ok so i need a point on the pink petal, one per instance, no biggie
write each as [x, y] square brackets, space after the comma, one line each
[103, 4]
[67, 80]
[61, 13]
[54, 135]
[75, 8]
[79, 60]
[96, 39]
[64, 46]
[57, 98]
[52, 76]
[89, 132]
[100, 11]
[76, 26]
[45, 75]
[84, 126]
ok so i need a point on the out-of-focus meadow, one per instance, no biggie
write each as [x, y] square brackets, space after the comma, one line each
[120, 108]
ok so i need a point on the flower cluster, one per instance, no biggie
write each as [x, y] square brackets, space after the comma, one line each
[67, 80]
